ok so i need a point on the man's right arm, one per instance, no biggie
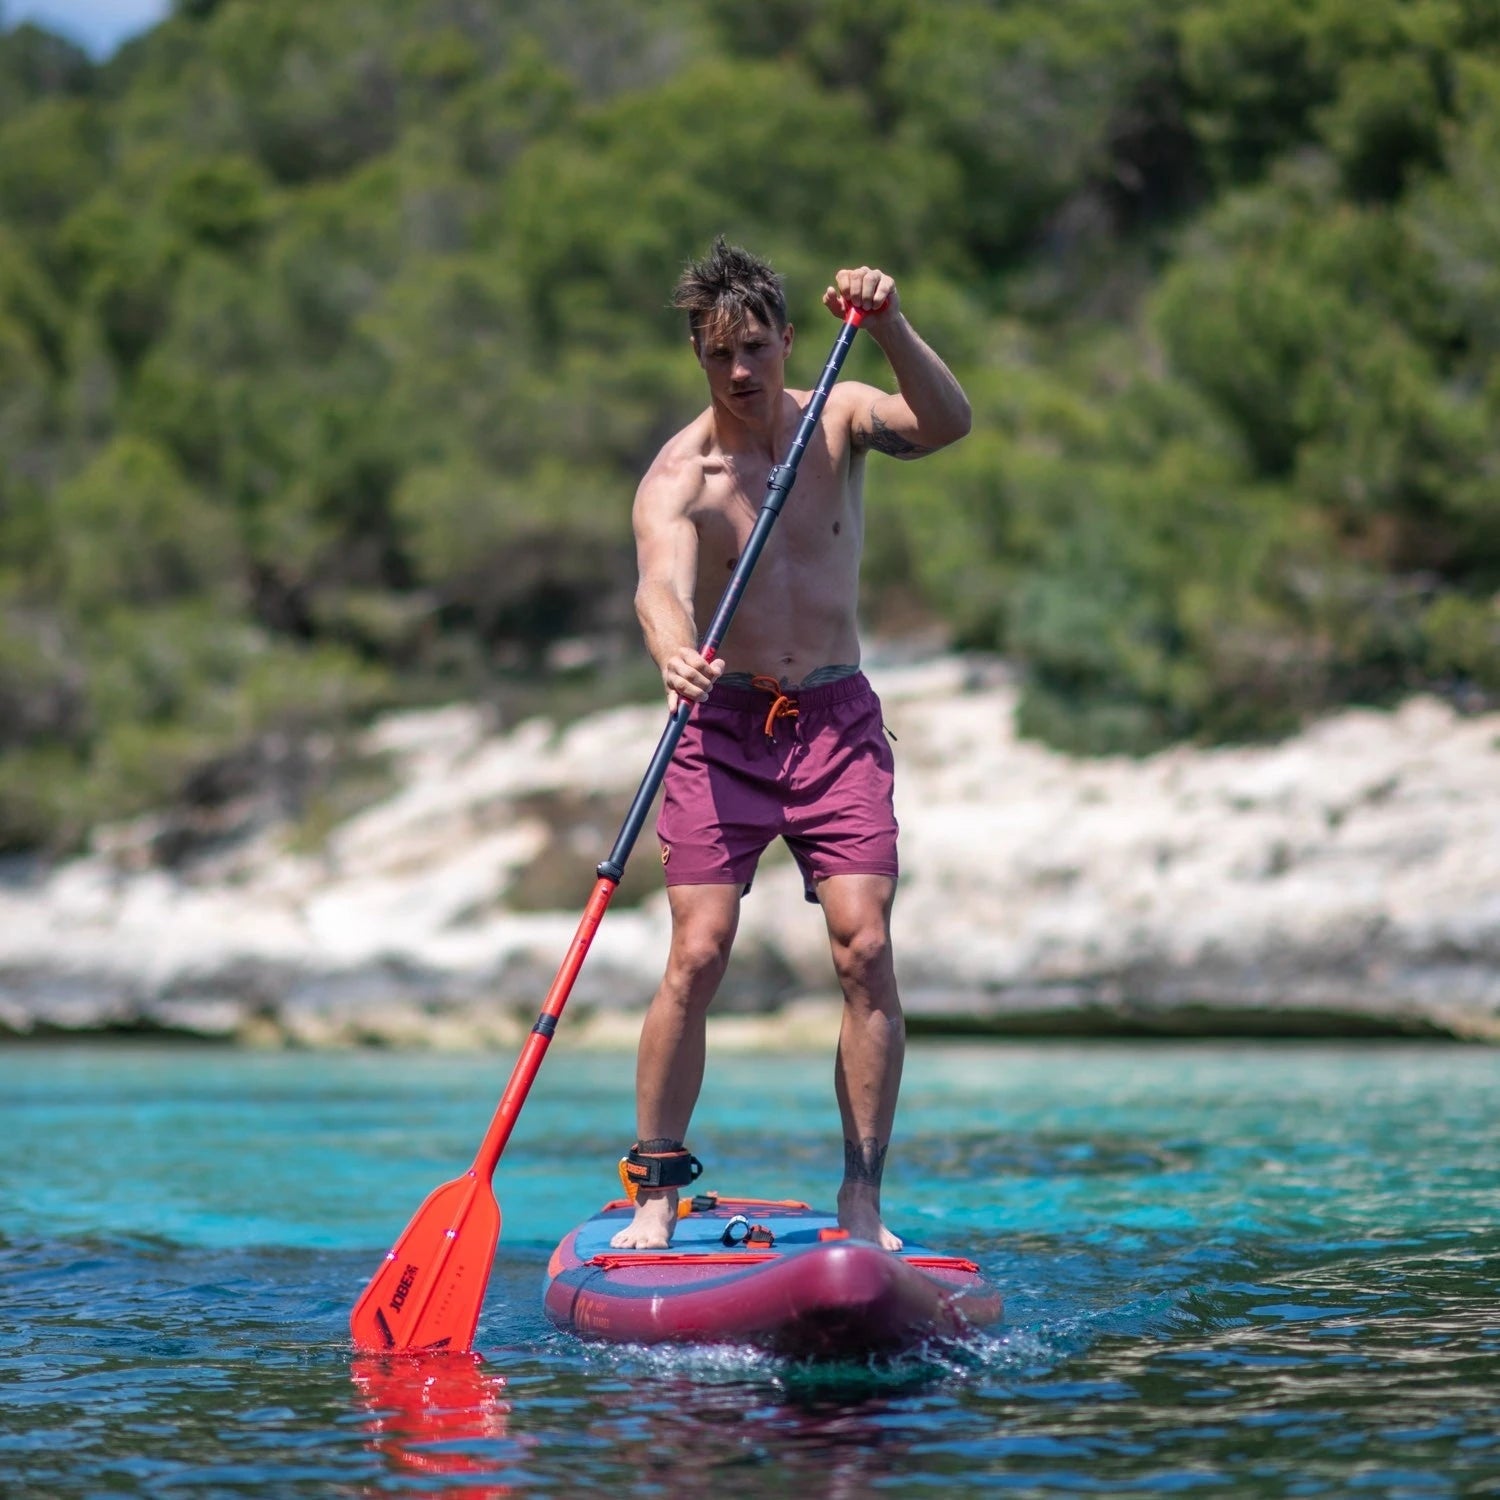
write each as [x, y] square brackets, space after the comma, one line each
[666, 544]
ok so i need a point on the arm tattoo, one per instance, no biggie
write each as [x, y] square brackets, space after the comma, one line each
[883, 440]
[864, 1161]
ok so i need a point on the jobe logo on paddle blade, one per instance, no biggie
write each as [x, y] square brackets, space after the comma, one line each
[403, 1287]
[428, 1290]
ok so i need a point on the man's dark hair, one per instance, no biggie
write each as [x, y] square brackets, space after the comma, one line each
[717, 291]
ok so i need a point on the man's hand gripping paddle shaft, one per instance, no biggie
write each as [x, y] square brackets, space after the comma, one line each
[428, 1292]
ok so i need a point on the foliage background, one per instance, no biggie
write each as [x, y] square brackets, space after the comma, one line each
[334, 338]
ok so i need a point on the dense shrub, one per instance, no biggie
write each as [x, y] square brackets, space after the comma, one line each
[334, 339]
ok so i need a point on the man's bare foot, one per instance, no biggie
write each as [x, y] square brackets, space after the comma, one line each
[859, 1213]
[651, 1228]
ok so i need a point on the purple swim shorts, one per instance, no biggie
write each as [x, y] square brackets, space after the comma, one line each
[819, 773]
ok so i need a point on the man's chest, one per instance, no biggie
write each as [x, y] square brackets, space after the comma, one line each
[823, 501]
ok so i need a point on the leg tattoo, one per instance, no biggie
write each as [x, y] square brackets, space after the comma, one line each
[864, 1161]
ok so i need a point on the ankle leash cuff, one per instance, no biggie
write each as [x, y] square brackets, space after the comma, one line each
[649, 1170]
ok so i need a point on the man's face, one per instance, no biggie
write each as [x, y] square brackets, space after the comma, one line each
[745, 365]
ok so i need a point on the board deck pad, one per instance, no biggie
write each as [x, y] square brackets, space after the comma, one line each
[703, 1232]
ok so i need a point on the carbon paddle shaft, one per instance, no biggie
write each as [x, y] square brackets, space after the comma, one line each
[610, 870]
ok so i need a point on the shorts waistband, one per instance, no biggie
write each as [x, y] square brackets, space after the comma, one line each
[755, 700]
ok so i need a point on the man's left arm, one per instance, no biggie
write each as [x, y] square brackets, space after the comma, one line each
[929, 409]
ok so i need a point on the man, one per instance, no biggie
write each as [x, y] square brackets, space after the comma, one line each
[790, 741]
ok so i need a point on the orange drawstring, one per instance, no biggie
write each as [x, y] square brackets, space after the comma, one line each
[783, 707]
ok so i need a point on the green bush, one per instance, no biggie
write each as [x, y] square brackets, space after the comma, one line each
[224, 203]
[1385, 125]
[335, 339]
[135, 532]
[1462, 639]
[51, 157]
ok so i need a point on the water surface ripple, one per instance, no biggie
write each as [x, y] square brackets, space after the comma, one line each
[1230, 1269]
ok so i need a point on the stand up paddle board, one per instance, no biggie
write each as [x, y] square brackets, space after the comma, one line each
[778, 1275]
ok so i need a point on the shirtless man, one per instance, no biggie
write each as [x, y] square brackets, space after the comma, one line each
[791, 740]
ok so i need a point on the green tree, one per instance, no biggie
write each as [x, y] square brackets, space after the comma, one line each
[134, 532]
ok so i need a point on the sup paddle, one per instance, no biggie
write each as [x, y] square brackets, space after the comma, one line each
[429, 1289]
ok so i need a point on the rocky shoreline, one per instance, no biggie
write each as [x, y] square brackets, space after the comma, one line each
[1345, 882]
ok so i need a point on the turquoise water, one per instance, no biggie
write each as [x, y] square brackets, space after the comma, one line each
[1230, 1269]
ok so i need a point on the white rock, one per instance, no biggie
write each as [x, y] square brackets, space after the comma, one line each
[1355, 867]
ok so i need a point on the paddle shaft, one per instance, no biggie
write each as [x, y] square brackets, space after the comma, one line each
[611, 870]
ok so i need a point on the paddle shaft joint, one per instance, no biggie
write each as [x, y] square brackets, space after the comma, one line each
[540, 1036]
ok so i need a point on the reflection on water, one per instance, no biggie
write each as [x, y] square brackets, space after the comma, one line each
[1231, 1270]
[438, 1415]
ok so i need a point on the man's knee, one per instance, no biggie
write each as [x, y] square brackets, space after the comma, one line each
[704, 920]
[862, 956]
[699, 957]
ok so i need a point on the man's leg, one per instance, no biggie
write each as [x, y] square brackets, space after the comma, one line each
[669, 1063]
[872, 1042]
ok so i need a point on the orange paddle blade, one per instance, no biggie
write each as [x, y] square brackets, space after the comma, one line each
[429, 1289]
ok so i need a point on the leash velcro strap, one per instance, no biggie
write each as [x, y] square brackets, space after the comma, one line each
[657, 1169]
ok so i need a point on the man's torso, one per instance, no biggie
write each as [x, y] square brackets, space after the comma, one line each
[798, 612]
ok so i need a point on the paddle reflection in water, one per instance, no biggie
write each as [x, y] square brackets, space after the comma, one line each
[439, 1415]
